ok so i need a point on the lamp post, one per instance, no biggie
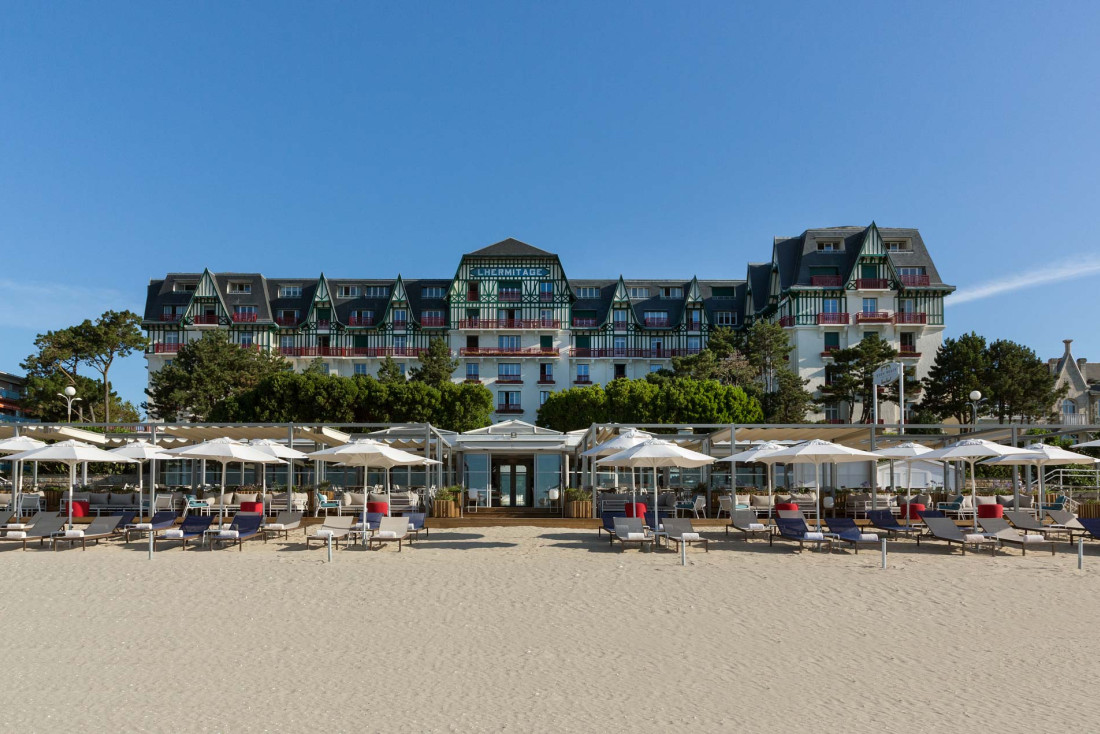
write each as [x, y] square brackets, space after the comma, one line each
[69, 398]
[975, 398]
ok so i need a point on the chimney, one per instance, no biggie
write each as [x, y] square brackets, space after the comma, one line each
[1067, 342]
[1081, 362]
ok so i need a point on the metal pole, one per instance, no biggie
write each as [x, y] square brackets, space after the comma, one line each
[330, 545]
[901, 402]
[683, 553]
[884, 552]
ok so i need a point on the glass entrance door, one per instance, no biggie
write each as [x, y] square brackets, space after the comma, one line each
[512, 480]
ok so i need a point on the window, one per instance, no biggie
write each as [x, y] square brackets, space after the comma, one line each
[654, 367]
[694, 344]
[432, 318]
[1069, 407]
[588, 292]
[656, 318]
[360, 317]
[288, 316]
[695, 319]
[620, 372]
[244, 313]
[508, 398]
[187, 286]
[546, 342]
[508, 372]
[544, 395]
[290, 291]
[171, 337]
[400, 343]
[401, 366]
[672, 292]
[324, 368]
[172, 313]
[168, 362]
[582, 373]
[723, 292]
[546, 317]
[832, 413]
[828, 246]
[286, 342]
[347, 291]
[829, 373]
[473, 292]
[360, 368]
[724, 318]
[830, 305]
[546, 372]
[400, 316]
[870, 305]
[897, 246]
[657, 344]
[546, 291]
[433, 291]
[473, 371]
[376, 291]
[619, 317]
[908, 342]
[245, 338]
[832, 341]
[508, 342]
[639, 292]
[238, 287]
[510, 291]
[911, 270]
[619, 343]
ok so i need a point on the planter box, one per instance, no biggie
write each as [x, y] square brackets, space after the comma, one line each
[581, 508]
[444, 508]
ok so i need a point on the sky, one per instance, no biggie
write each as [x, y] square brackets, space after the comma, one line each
[639, 138]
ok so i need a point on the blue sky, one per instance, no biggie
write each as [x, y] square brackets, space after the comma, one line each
[647, 139]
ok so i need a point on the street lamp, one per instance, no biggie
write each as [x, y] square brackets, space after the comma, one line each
[975, 398]
[68, 394]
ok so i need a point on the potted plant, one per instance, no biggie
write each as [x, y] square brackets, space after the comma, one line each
[578, 503]
[446, 502]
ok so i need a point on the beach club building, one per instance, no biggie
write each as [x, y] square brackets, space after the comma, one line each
[520, 326]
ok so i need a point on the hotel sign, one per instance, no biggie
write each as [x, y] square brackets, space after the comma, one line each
[510, 272]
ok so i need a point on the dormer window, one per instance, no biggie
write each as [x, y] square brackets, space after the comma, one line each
[290, 291]
[639, 292]
[377, 291]
[724, 318]
[588, 292]
[347, 291]
[239, 287]
[187, 286]
[432, 291]
[830, 246]
[672, 292]
[898, 246]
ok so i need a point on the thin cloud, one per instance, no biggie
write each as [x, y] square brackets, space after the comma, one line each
[1061, 271]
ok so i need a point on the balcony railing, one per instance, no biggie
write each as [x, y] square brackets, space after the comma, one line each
[620, 325]
[206, 319]
[827, 281]
[651, 353]
[829, 349]
[241, 317]
[509, 380]
[914, 281]
[472, 379]
[351, 351]
[286, 320]
[509, 408]
[654, 323]
[433, 322]
[786, 321]
[872, 284]
[909, 353]
[832, 318]
[322, 323]
[873, 317]
[579, 323]
[507, 352]
[509, 324]
[910, 317]
[546, 380]
[546, 297]
[400, 324]
[511, 296]
[171, 318]
[582, 380]
[166, 348]
[361, 321]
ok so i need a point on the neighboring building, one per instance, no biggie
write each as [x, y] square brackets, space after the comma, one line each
[520, 326]
[1082, 377]
[12, 390]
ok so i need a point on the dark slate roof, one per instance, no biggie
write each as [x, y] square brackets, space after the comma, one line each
[758, 276]
[414, 289]
[300, 303]
[712, 304]
[160, 294]
[600, 305]
[258, 297]
[510, 247]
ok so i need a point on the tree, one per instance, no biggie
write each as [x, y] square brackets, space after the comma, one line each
[1020, 385]
[41, 399]
[573, 409]
[60, 351]
[389, 373]
[205, 373]
[721, 360]
[436, 364]
[960, 367]
[114, 334]
[778, 387]
[464, 406]
[789, 401]
[853, 371]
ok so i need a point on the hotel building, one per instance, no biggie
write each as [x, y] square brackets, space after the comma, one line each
[520, 326]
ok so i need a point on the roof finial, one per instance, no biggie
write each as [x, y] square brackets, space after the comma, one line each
[1067, 342]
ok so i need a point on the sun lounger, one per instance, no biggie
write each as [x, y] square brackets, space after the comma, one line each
[795, 530]
[1025, 522]
[885, 521]
[9, 525]
[609, 517]
[417, 523]
[846, 531]
[745, 522]
[245, 526]
[934, 514]
[98, 529]
[681, 531]
[44, 527]
[160, 521]
[283, 523]
[653, 521]
[1068, 522]
[334, 527]
[1090, 527]
[390, 529]
[193, 526]
[631, 530]
[5, 517]
[946, 530]
[1002, 531]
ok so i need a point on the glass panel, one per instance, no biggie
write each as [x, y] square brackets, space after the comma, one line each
[519, 481]
[505, 486]
[476, 471]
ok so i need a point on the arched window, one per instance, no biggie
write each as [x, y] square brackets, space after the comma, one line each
[1069, 407]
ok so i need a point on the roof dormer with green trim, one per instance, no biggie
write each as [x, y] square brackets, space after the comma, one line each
[206, 307]
[871, 269]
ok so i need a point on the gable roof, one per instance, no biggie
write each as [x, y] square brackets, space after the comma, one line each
[510, 247]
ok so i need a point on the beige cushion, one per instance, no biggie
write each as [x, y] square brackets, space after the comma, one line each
[761, 500]
[378, 497]
[246, 497]
[987, 500]
[357, 498]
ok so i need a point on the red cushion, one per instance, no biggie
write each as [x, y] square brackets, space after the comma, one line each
[383, 507]
[912, 510]
[635, 509]
[252, 507]
[785, 506]
[989, 511]
[80, 508]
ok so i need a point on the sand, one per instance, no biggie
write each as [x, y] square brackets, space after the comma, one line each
[525, 629]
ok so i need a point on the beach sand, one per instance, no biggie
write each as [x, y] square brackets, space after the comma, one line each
[527, 629]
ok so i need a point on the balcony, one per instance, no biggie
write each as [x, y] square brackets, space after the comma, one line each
[582, 380]
[241, 317]
[546, 297]
[509, 380]
[289, 321]
[546, 380]
[872, 284]
[826, 281]
[473, 380]
[322, 323]
[509, 408]
[786, 321]
[351, 351]
[621, 326]
[656, 323]
[624, 353]
[10, 394]
[873, 317]
[170, 318]
[510, 296]
[908, 353]
[400, 324]
[509, 324]
[361, 321]
[166, 348]
[910, 317]
[833, 319]
[433, 322]
[829, 349]
[835, 421]
[206, 319]
[915, 281]
[507, 352]
[584, 323]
